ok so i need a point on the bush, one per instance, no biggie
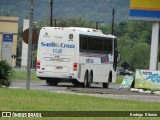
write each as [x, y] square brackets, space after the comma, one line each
[6, 73]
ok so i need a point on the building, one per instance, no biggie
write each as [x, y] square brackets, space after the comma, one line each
[24, 46]
[8, 28]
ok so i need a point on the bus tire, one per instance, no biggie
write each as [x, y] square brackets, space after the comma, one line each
[90, 79]
[86, 80]
[51, 82]
[105, 85]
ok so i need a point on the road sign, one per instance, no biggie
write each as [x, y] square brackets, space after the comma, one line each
[7, 39]
[145, 10]
[34, 36]
[147, 79]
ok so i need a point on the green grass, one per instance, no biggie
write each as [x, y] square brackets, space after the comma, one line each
[18, 99]
[119, 79]
[24, 100]
[22, 75]
[29, 100]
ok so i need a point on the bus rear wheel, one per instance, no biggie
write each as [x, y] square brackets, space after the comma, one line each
[52, 82]
[90, 79]
[86, 80]
[106, 85]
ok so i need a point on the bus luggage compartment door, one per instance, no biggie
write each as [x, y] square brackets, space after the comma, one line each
[58, 63]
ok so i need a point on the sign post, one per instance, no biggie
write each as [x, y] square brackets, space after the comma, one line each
[29, 45]
[154, 46]
[7, 47]
[148, 10]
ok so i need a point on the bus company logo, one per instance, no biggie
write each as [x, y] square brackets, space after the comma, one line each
[46, 35]
[52, 44]
[71, 36]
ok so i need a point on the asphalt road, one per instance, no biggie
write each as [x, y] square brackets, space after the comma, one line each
[95, 90]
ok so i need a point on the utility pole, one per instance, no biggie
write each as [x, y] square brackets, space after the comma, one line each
[30, 45]
[96, 24]
[51, 16]
[55, 22]
[113, 12]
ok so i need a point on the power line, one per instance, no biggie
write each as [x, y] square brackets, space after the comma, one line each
[106, 4]
[51, 16]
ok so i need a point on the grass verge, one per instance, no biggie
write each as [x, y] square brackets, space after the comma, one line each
[24, 100]
[22, 75]
[18, 99]
[119, 79]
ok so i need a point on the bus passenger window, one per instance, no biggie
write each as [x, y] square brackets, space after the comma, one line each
[89, 44]
[94, 44]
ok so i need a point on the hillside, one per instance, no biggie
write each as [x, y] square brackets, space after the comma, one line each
[93, 10]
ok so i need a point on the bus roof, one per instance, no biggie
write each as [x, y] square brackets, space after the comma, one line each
[85, 31]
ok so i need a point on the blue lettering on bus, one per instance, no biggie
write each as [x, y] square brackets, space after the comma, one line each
[67, 45]
[89, 60]
[154, 78]
[57, 50]
[52, 44]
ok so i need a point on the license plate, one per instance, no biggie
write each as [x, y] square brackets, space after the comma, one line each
[59, 67]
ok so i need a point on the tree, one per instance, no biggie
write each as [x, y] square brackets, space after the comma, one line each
[139, 57]
[133, 43]
[133, 38]
[6, 73]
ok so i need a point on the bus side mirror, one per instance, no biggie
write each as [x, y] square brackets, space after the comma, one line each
[115, 59]
[118, 56]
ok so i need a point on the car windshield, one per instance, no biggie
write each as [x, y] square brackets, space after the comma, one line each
[120, 69]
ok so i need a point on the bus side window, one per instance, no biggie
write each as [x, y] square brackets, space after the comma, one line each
[94, 44]
[81, 43]
[100, 45]
[108, 45]
[85, 43]
[89, 43]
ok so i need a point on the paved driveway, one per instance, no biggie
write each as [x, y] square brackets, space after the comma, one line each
[95, 90]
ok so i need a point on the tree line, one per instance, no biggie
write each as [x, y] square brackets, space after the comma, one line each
[98, 10]
[134, 38]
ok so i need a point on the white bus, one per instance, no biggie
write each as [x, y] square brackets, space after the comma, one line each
[78, 55]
